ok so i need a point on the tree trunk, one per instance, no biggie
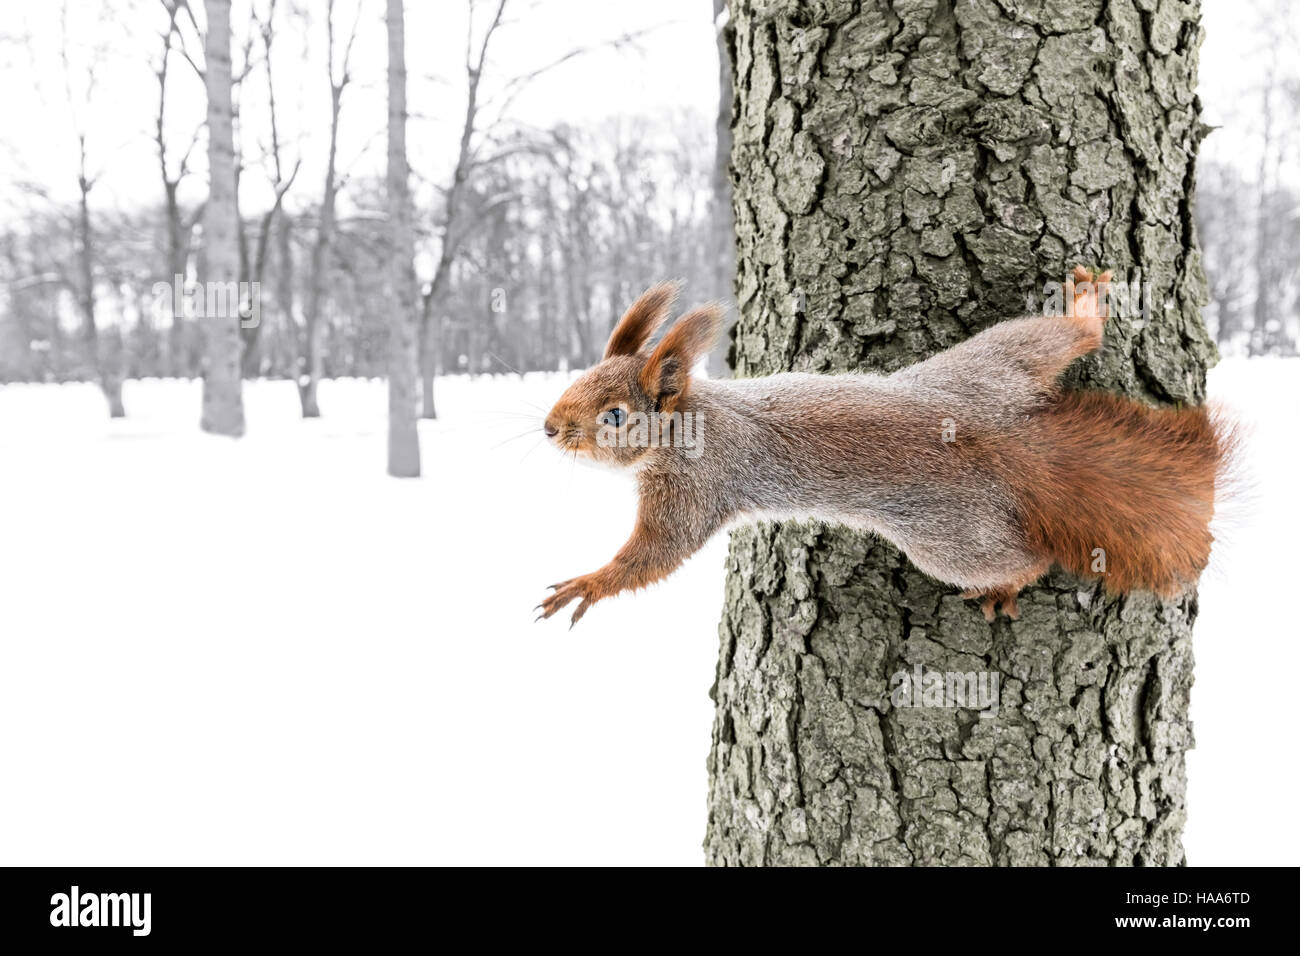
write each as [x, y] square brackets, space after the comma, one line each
[223, 405]
[104, 351]
[177, 254]
[288, 338]
[428, 345]
[311, 365]
[403, 352]
[722, 226]
[907, 175]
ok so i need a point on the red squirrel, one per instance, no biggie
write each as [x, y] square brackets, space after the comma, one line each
[974, 462]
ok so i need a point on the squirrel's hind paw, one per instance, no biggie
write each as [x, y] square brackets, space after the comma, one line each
[1089, 293]
[990, 598]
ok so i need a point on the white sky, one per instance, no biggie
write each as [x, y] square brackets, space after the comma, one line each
[673, 69]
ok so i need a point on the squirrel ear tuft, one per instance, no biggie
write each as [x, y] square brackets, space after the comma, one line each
[641, 320]
[668, 370]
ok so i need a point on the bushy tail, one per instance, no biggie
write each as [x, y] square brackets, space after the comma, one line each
[1117, 490]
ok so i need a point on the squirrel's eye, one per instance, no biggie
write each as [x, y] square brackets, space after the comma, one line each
[614, 417]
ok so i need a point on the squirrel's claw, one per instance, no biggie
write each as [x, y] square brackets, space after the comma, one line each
[586, 588]
[582, 609]
[990, 599]
[565, 593]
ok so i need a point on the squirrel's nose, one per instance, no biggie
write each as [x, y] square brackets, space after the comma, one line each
[551, 430]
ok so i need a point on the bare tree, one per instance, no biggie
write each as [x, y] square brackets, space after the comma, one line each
[223, 407]
[1223, 220]
[475, 135]
[104, 350]
[179, 226]
[1269, 159]
[403, 358]
[253, 264]
[310, 367]
[452, 198]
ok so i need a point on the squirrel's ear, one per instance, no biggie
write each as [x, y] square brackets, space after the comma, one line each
[641, 320]
[667, 372]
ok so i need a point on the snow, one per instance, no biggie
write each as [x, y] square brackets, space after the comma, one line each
[1242, 775]
[265, 651]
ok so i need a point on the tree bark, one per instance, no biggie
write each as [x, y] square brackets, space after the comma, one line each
[223, 405]
[906, 175]
[403, 355]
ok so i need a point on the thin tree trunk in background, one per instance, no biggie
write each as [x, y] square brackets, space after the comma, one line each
[284, 296]
[548, 305]
[722, 222]
[428, 346]
[428, 406]
[105, 351]
[176, 348]
[1264, 280]
[223, 406]
[180, 350]
[905, 179]
[431, 313]
[253, 360]
[403, 354]
[311, 366]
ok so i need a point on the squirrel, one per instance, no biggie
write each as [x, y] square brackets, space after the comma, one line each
[974, 462]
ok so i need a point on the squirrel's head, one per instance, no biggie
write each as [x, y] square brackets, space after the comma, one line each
[603, 415]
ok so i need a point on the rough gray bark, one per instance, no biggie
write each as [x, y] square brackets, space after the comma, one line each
[906, 175]
[403, 358]
[223, 404]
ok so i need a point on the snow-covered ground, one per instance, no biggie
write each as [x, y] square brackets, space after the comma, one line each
[266, 651]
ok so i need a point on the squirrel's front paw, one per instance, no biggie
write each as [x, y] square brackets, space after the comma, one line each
[583, 587]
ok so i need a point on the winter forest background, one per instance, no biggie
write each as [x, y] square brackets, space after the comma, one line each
[530, 239]
[533, 231]
[283, 638]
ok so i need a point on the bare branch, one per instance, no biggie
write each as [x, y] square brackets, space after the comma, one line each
[511, 90]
